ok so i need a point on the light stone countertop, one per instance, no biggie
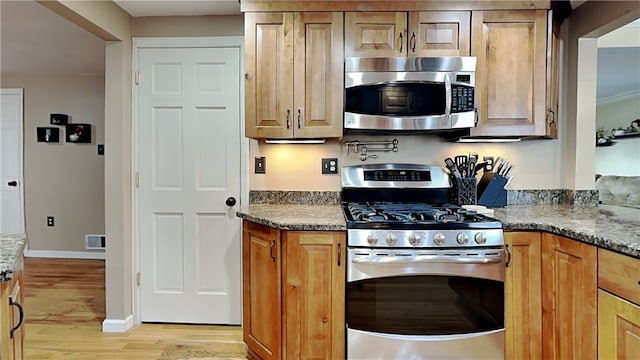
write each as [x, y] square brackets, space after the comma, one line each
[11, 247]
[296, 217]
[610, 227]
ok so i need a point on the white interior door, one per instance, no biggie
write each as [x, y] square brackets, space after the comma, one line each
[11, 190]
[189, 165]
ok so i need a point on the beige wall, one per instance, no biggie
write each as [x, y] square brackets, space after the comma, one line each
[62, 180]
[298, 166]
[112, 24]
[185, 26]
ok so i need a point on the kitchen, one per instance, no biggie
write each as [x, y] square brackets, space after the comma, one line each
[562, 172]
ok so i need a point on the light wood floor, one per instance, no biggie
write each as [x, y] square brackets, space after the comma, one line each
[65, 307]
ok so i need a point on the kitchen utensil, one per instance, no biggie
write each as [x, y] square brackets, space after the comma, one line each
[451, 165]
[461, 163]
[472, 166]
[483, 165]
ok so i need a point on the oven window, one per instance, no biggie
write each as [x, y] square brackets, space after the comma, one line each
[425, 305]
[397, 99]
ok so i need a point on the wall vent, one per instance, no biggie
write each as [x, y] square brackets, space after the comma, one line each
[95, 241]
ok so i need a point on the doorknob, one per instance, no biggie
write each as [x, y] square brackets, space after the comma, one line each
[12, 183]
[230, 201]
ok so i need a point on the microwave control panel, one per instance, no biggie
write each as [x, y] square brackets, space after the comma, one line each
[462, 98]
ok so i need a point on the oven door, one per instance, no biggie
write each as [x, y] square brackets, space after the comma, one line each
[402, 305]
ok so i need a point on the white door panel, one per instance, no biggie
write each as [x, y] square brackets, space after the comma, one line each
[189, 164]
[11, 195]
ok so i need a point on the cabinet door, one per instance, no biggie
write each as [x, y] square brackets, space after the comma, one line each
[553, 59]
[439, 33]
[268, 75]
[511, 72]
[523, 302]
[6, 346]
[17, 319]
[318, 75]
[618, 328]
[314, 269]
[261, 302]
[569, 281]
[375, 34]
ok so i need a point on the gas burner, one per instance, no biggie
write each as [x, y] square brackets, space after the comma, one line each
[407, 212]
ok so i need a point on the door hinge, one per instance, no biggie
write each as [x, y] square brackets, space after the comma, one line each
[137, 78]
[138, 279]
[137, 179]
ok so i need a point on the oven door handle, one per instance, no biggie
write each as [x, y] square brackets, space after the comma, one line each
[428, 259]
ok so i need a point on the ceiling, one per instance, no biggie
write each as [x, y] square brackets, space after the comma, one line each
[34, 39]
[137, 8]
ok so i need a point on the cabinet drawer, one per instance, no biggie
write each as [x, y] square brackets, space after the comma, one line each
[619, 274]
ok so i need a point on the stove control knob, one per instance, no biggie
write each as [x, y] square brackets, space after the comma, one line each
[462, 238]
[479, 238]
[391, 239]
[438, 239]
[372, 239]
[414, 239]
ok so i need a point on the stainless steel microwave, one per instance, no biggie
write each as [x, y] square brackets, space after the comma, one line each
[409, 94]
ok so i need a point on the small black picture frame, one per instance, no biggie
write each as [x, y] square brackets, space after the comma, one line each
[78, 133]
[48, 134]
[58, 119]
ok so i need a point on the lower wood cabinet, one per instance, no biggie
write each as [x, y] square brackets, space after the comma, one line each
[293, 302]
[569, 299]
[523, 298]
[12, 316]
[618, 306]
[550, 297]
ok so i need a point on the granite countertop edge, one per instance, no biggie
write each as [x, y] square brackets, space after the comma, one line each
[11, 248]
[595, 225]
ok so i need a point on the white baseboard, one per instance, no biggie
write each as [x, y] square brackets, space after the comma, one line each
[65, 254]
[117, 325]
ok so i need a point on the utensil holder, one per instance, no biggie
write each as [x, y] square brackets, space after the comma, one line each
[464, 191]
[492, 191]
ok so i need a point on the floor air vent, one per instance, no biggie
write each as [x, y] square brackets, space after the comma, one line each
[95, 242]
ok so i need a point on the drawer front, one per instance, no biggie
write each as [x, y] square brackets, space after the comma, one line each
[619, 274]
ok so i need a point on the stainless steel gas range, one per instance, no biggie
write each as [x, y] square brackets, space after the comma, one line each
[425, 279]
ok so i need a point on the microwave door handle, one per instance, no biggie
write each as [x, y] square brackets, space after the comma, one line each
[448, 94]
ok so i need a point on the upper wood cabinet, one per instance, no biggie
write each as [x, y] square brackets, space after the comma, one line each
[523, 299]
[398, 34]
[294, 74]
[569, 299]
[511, 76]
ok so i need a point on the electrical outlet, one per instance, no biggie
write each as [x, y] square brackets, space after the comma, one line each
[49, 220]
[260, 165]
[330, 166]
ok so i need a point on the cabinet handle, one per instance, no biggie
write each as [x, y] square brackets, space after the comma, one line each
[506, 248]
[288, 118]
[273, 244]
[553, 117]
[339, 253]
[413, 41]
[20, 318]
[401, 42]
[299, 117]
